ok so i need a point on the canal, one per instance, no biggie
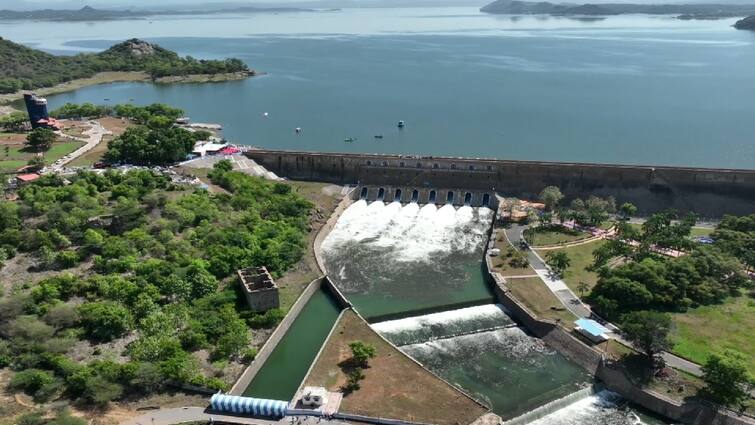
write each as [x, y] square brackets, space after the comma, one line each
[286, 367]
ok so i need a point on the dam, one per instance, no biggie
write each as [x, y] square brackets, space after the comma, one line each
[708, 192]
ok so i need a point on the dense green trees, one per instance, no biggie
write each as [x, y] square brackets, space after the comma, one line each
[648, 330]
[706, 274]
[23, 68]
[727, 380]
[162, 257]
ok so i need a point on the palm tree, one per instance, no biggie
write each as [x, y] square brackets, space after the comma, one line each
[582, 287]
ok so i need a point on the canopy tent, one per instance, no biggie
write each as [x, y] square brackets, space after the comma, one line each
[248, 405]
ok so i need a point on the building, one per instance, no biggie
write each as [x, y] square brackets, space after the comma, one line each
[27, 178]
[260, 290]
[37, 108]
[591, 330]
[314, 397]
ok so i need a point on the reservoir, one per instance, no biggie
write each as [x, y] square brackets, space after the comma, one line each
[625, 89]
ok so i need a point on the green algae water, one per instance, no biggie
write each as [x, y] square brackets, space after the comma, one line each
[483, 352]
[286, 367]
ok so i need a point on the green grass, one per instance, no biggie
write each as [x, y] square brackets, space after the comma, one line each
[696, 231]
[17, 157]
[581, 257]
[714, 328]
[533, 293]
[554, 236]
[11, 165]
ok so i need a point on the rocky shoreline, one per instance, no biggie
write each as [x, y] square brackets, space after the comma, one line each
[747, 23]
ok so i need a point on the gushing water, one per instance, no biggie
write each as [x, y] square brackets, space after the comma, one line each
[430, 327]
[603, 408]
[509, 370]
[392, 259]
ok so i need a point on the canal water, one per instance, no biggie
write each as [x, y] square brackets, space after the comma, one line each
[483, 352]
[289, 362]
[393, 259]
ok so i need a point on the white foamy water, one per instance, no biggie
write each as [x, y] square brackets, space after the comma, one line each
[411, 232]
[445, 324]
[603, 408]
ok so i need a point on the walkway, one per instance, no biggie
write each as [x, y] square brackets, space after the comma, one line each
[199, 414]
[95, 134]
[556, 285]
[575, 305]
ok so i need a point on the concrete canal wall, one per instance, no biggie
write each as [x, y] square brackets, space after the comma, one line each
[709, 192]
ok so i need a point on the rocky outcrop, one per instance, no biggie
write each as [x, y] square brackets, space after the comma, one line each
[747, 23]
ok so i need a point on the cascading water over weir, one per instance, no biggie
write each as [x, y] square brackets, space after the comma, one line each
[416, 273]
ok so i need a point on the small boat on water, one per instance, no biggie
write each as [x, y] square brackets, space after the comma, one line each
[350, 140]
[401, 124]
[378, 136]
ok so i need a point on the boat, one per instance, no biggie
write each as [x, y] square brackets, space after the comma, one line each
[401, 124]
[350, 140]
[378, 136]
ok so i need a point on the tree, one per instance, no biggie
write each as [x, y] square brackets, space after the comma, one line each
[14, 121]
[649, 331]
[361, 353]
[559, 261]
[582, 287]
[627, 210]
[551, 196]
[36, 162]
[105, 320]
[727, 380]
[40, 139]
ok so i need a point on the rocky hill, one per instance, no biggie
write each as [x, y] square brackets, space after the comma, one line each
[747, 23]
[689, 11]
[23, 68]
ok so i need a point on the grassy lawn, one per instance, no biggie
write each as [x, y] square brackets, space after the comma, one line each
[696, 231]
[581, 257]
[394, 386]
[533, 293]
[502, 263]
[17, 157]
[554, 236]
[713, 328]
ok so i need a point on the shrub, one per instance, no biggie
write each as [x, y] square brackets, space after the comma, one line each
[105, 320]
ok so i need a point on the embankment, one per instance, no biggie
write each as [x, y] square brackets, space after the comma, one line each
[709, 192]
[691, 411]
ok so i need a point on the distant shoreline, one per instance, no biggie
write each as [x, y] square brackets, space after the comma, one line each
[126, 77]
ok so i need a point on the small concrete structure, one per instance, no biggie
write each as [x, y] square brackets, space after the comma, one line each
[314, 396]
[260, 290]
[591, 330]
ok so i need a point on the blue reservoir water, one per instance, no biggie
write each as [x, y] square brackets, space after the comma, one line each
[627, 89]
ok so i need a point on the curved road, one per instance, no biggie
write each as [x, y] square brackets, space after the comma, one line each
[572, 302]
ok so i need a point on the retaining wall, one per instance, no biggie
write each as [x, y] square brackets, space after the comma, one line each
[251, 371]
[693, 412]
[709, 192]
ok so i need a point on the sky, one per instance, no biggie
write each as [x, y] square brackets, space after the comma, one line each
[153, 4]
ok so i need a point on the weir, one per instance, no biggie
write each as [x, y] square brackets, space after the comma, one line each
[553, 406]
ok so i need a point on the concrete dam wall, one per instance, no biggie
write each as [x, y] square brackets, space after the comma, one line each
[708, 192]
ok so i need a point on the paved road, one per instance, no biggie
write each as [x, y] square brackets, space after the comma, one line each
[198, 414]
[95, 134]
[556, 285]
[572, 302]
